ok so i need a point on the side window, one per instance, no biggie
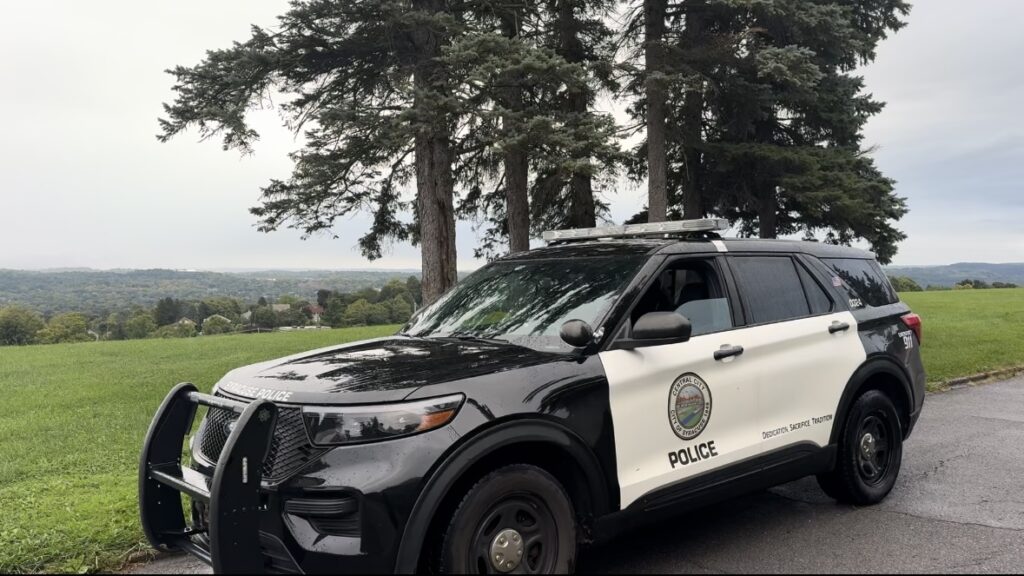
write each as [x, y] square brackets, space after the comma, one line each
[693, 289]
[863, 281]
[816, 295]
[771, 287]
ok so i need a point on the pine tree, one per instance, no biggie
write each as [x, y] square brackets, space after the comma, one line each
[518, 83]
[770, 118]
[563, 193]
[366, 88]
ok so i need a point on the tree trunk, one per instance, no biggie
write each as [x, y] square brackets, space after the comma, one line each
[767, 213]
[582, 209]
[693, 107]
[693, 123]
[435, 205]
[435, 188]
[517, 165]
[517, 202]
[654, 60]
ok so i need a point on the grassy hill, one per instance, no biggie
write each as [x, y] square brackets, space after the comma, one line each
[75, 415]
[970, 331]
[73, 421]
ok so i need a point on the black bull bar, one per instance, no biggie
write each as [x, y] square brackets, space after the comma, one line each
[232, 543]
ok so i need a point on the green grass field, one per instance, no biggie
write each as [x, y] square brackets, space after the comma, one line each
[71, 426]
[74, 417]
[969, 331]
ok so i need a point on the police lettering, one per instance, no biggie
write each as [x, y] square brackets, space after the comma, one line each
[254, 392]
[692, 454]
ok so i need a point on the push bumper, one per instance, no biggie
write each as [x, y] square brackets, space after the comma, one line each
[230, 540]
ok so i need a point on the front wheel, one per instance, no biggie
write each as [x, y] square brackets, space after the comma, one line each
[870, 452]
[517, 519]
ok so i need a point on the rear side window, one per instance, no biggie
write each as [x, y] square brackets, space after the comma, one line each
[816, 295]
[863, 280]
[771, 288]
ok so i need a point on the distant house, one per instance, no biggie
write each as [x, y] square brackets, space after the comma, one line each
[281, 307]
[315, 312]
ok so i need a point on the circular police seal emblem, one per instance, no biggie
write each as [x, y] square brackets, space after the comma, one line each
[689, 406]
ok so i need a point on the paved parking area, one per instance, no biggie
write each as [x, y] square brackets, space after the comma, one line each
[958, 507]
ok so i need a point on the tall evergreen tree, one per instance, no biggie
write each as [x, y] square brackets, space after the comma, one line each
[770, 118]
[518, 83]
[368, 92]
[564, 190]
[653, 71]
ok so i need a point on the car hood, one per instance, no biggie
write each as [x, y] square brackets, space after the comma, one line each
[381, 370]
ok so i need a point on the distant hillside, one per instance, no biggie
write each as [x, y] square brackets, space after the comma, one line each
[953, 273]
[99, 292]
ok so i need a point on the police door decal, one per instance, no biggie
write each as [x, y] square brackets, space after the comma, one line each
[677, 412]
[689, 410]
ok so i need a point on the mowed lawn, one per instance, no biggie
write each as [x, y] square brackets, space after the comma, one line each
[73, 417]
[969, 331]
[72, 422]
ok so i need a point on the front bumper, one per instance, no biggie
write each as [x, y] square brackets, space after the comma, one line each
[230, 539]
[344, 510]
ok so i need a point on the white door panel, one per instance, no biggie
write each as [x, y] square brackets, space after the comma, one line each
[789, 377]
[640, 382]
[804, 370]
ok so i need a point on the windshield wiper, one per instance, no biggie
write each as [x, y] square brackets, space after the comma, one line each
[471, 338]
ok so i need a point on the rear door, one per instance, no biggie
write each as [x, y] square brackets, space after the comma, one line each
[804, 346]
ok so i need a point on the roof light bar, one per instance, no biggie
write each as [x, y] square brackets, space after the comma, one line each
[638, 230]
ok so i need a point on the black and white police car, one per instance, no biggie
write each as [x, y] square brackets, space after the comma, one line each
[547, 399]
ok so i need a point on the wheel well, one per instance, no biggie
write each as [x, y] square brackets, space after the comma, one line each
[893, 387]
[547, 456]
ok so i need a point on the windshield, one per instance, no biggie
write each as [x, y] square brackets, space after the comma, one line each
[526, 302]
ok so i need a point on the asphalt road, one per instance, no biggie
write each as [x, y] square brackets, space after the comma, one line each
[957, 507]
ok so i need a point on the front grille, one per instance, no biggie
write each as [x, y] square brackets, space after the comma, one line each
[289, 450]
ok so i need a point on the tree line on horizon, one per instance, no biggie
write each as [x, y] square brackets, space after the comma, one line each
[421, 112]
[393, 303]
[908, 284]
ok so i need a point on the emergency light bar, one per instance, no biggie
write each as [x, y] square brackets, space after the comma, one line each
[639, 230]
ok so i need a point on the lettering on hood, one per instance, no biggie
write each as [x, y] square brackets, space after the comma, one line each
[247, 391]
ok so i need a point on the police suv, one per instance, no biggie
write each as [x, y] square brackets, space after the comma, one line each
[549, 398]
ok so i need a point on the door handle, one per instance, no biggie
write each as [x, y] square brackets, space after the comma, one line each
[728, 351]
[838, 326]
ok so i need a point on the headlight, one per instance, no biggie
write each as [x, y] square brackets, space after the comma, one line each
[334, 425]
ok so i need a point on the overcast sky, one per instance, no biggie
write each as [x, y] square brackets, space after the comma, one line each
[83, 181]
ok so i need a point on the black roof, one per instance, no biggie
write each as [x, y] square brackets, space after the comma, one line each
[641, 246]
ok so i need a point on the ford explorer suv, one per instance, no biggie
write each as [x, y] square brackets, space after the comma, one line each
[549, 398]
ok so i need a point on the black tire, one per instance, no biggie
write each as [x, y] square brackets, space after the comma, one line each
[870, 452]
[521, 498]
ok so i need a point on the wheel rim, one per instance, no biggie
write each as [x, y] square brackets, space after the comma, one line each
[516, 535]
[874, 454]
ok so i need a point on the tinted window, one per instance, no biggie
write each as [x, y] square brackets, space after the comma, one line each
[816, 296]
[690, 288]
[771, 288]
[526, 302]
[863, 280]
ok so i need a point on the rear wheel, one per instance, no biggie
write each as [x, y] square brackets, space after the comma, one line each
[516, 520]
[870, 452]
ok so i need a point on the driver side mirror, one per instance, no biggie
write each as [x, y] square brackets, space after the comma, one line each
[577, 333]
[658, 329]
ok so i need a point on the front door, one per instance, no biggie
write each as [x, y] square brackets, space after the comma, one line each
[677, 411]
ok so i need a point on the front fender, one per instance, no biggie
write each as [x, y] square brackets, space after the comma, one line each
[470, 451]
